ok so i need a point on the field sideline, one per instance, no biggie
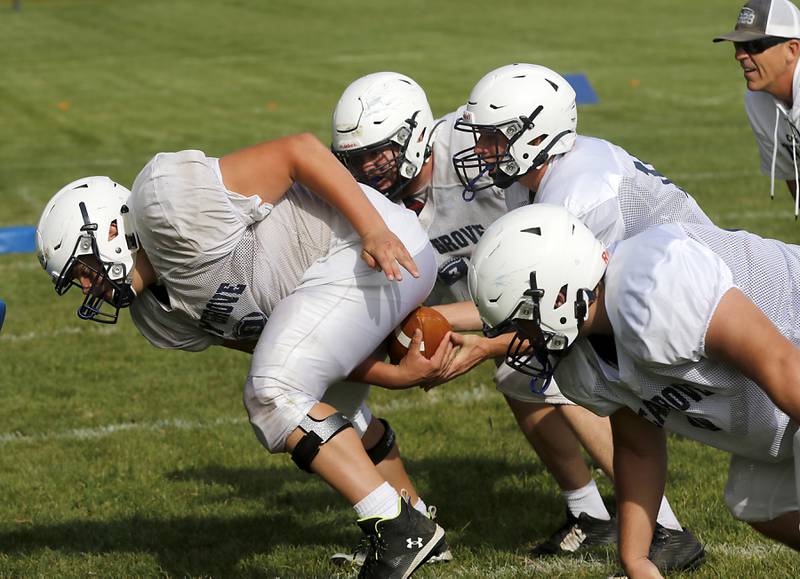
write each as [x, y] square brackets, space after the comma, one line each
[117, 459]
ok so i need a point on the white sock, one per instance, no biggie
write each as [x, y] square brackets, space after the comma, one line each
[586, 500]
[382, 502]
[666, 518]
[421, 506]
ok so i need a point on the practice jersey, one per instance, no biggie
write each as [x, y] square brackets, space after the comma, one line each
[615, 194]
[661, 290]
[224, 260]
[454, 225]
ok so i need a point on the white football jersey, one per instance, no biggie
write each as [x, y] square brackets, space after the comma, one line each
[223, 260]
[454, 223]
[615, 194]
[662, 288]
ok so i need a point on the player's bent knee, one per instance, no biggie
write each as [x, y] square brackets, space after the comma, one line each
[381, 449]
[275, 410]
[317, 433]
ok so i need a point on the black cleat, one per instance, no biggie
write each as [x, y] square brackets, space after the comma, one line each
[398, 546]
[440, 554]
[675, 550]
[577, 535]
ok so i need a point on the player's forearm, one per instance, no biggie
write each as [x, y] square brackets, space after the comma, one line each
[463, 316]
[379, 373]
[639, 473]
[782, 382]
[496, 347]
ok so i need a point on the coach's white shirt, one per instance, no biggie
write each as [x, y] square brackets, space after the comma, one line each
[764, 111]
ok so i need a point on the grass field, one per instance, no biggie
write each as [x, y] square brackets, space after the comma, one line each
[117, 459]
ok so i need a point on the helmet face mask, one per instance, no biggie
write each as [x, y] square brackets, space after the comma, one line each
[103, 297]
[533, 350]
[531, 106]
[384, 165]
[491, 155]
[382, 128]
[83, 240]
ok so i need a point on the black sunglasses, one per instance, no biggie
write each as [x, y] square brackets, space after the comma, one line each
[759, 45]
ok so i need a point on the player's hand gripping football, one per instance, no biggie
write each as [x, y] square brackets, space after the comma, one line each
[383, 251]
[427, 373]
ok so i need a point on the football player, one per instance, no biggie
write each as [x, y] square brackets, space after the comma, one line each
[523, 119]
[684, 327]
[385, 134]
[766, 41]
[207, 251]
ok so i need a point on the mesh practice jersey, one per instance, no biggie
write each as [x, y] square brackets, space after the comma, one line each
[223, 260]
[615, 194]
[454, 225]
[662, 288]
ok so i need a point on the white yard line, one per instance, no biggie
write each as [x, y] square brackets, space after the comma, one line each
[104, 431]
[69, 330]
[463, 396]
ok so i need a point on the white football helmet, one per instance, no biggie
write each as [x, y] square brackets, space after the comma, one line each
[528, 112]
[383, 111]
[74, 230]
[541, 264]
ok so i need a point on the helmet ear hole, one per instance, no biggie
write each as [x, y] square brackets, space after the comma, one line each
[561, 298]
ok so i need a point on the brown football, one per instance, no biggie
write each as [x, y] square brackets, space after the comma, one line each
[433, 325]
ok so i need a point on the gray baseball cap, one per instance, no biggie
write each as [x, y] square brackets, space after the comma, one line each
[765, 18]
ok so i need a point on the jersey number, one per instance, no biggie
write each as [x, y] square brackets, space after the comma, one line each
[648, 169]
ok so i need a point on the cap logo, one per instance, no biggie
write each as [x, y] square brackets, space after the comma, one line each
[747, 17]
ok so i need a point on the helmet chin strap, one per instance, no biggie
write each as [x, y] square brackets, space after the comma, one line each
[584, 299]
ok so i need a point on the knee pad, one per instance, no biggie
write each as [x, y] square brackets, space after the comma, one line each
[384, 446]
[318, 432]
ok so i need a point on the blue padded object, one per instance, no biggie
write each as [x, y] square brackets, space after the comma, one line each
[2, 313]
[584, 93]
[20, 239]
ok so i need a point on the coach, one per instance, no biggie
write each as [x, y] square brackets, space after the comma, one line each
[767, 43]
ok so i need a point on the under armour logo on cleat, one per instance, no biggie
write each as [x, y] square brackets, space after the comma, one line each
[573, 540]
[411, 543]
